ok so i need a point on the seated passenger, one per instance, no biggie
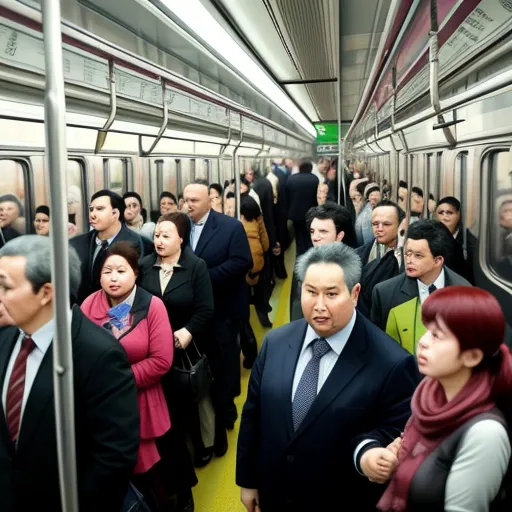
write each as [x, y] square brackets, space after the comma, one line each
[455, 449]
[168, 203]
[42, 220]
[11, 218]
[139, 321]
[134, 216]
[216, 197]
[105, 397]
[396, 303]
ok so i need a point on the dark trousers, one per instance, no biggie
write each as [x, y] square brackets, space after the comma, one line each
[224, 357]
[302, 237]
[263, 289]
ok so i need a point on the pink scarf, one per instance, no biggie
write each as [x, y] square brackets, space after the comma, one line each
[433, 419]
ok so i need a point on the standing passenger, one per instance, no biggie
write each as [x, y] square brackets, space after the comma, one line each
[138, 321]
[326, 396]
[221, 242]
[466, 389]
[106, 411]
[106, 216]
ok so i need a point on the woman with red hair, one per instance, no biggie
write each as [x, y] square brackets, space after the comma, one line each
[467, 388]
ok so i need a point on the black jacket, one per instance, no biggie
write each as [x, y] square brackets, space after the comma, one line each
[106, 426]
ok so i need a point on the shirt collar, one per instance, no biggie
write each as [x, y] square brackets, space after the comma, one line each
[337, 341]
[110, 240]
[438, 283]
[43, 337]
[203, 220]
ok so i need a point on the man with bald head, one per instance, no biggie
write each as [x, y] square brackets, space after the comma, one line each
[222, 243]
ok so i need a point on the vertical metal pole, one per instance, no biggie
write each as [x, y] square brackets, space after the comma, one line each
[56, 163]
[341, 163]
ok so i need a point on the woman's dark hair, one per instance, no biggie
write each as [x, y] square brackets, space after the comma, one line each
[249, 208]
[43, 209]
[170, 195]
[452, 201]
[128, 251]
[182, 223]
[217, 188]
[134, 195]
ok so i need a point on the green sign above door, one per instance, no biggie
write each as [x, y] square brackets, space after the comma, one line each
[326, 133]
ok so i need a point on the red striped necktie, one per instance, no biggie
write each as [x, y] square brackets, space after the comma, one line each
[16, 387]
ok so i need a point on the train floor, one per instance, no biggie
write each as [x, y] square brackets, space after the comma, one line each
[216, 490]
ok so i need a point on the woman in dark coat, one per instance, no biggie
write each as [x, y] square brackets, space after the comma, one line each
[181, 279]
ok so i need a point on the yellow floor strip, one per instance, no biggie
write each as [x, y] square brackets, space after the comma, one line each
[216, 490]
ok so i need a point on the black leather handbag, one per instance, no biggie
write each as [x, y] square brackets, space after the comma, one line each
[191, 377]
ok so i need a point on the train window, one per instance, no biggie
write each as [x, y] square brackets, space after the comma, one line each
[76, 195]
[116, 175]
[500, 217]
[13, 185]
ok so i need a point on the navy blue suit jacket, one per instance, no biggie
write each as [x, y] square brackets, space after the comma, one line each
[223, 245]
[366, 396]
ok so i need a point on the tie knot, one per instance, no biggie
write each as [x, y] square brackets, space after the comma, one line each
[432, 288]
[27, 344]
[320, 348]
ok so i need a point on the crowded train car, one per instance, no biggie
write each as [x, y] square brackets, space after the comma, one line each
[255, 255]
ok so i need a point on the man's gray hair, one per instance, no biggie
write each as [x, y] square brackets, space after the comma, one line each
[337, 253]
[38, 252]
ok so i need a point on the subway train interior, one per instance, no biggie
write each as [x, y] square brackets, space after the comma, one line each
[414, 95]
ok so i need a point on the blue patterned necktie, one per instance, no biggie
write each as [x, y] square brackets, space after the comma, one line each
[432, 288]
[307, 389]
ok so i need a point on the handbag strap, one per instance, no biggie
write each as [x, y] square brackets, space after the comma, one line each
[186, 354]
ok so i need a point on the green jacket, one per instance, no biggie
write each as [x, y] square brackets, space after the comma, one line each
[396, 307]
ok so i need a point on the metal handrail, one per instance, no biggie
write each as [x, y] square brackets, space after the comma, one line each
[236, 168]
[56, 155]
[163, 127]
[102, 133]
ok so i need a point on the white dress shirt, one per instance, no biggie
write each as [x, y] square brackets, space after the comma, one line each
[99, 244]
[423, 288]
[42, 339]
[337, 343]
[197, 229]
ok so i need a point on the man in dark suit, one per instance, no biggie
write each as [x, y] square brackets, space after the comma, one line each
[222, 243]
[327, 223]
[106, 407]
[326, 395]
[301, 189]
[106, 216]
[396, 303]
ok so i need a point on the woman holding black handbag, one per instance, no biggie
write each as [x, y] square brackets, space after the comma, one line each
[181, 279]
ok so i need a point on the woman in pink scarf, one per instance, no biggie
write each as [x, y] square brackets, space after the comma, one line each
[468, 379]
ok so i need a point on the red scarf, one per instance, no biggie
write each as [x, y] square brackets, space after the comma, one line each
[433, 419]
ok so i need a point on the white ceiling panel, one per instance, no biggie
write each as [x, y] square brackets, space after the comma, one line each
[301, 40]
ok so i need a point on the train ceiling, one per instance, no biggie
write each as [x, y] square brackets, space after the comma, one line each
[299, 40]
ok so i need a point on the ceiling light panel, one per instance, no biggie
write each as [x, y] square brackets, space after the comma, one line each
[197, 18]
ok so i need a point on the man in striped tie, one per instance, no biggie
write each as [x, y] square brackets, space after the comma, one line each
[106, 409]
[327, 393]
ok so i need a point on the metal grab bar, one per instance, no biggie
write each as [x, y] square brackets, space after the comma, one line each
[165, 122]
[102, 133]
[56, 156]
[434, 74]
[237, 169]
